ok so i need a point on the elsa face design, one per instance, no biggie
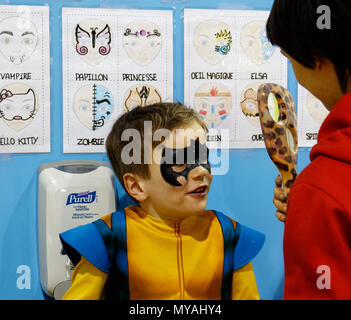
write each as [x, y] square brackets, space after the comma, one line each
[142, 41]
[212, 40]
[18, 106]
[93, 105]
[18, 39]
[254, 42]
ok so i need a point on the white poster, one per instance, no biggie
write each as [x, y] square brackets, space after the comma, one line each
[227, 56]
[310, 115]
[24, 79]
[113, 61]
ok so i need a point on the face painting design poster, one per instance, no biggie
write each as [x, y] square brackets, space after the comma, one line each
[227, 56]
[24, 79]
[113, 61]
[310, 115]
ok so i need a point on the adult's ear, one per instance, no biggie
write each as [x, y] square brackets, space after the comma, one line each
[134, 187]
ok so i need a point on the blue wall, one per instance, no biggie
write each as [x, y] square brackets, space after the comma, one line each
[245, 193]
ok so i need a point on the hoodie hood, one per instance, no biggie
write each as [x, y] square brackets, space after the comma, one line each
[334, 137]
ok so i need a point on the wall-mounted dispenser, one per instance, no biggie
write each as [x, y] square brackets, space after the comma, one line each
[70, 193]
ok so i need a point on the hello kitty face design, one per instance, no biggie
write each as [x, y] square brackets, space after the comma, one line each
[92, 40]
[93, 106]
[142, 41]
[18, 39]
[18, 107]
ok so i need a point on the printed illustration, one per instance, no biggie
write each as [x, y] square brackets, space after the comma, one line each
[316, 109]
[212, 40]
[92, 40]
[142, 40]
[249, 104]
[254, 42]
[93, 105]
[213, 102]
[18, 39]
[141, 95]
[18, 105]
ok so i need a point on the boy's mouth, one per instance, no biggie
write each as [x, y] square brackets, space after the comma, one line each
[201, 190]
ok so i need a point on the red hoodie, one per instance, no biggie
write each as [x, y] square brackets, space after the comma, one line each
[317, 237]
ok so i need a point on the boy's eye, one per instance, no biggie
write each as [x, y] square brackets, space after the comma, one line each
[179, 167]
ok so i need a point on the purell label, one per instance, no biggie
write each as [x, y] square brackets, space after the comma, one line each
[83, 197]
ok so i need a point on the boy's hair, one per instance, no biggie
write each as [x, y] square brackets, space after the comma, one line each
[162, 116]
[292, 26]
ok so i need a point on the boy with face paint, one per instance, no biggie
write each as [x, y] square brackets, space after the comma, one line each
[168, 246]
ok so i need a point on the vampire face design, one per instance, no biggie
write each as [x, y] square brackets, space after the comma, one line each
[316, 109]
[93, 105]
[192, 157]
[212, 40]
[18, 39]
[255, 43]
[142, 41]
[141, 96]
[249, 104]
[213, 102]
[18, 106]
[92, 39]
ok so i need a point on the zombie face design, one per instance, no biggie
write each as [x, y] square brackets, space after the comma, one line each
[212, 40]
[93, 105]
[92, 39]
[249, 104]
[316, 109]
[141, 96]
[18, 106]
[142, 40]
[255, 43]
[18, 39]
[213, 102]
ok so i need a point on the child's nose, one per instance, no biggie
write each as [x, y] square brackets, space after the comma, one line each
[198, 173]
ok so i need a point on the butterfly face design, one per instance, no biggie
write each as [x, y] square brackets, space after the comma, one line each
[92, 40]
[142, 41]
[93, 105]
[18, 39]
[18, 106]
[141, 96]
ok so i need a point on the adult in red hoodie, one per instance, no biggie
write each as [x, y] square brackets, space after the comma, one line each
[317, 237]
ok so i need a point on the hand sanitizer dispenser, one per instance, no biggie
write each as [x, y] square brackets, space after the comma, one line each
[70, 193]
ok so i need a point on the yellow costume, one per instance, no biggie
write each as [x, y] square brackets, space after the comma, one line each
[168, 260]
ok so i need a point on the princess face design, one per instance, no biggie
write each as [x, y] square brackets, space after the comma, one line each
[93, 105]
[18, 39]
[254, 42]
[142, 41]
[141, 96]
[212, 40]
[18, 106]
[92, 39]
[213, 102]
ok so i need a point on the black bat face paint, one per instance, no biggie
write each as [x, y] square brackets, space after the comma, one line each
[193, 156]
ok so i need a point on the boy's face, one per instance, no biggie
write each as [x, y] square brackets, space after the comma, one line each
[179, 190]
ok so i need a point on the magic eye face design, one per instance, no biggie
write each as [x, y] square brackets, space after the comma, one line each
[93, 105]
[18, 39]
[178, 163]
[18, 105]
[255, 44]
[92, 40]
[142, 41]
[212, 40]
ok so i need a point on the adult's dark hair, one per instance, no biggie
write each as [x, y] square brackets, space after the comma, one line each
[292, 26]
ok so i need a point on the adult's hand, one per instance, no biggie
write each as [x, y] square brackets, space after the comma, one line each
[280, 200]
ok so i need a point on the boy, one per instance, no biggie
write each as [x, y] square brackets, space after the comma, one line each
[317, 233]
[169, 246]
